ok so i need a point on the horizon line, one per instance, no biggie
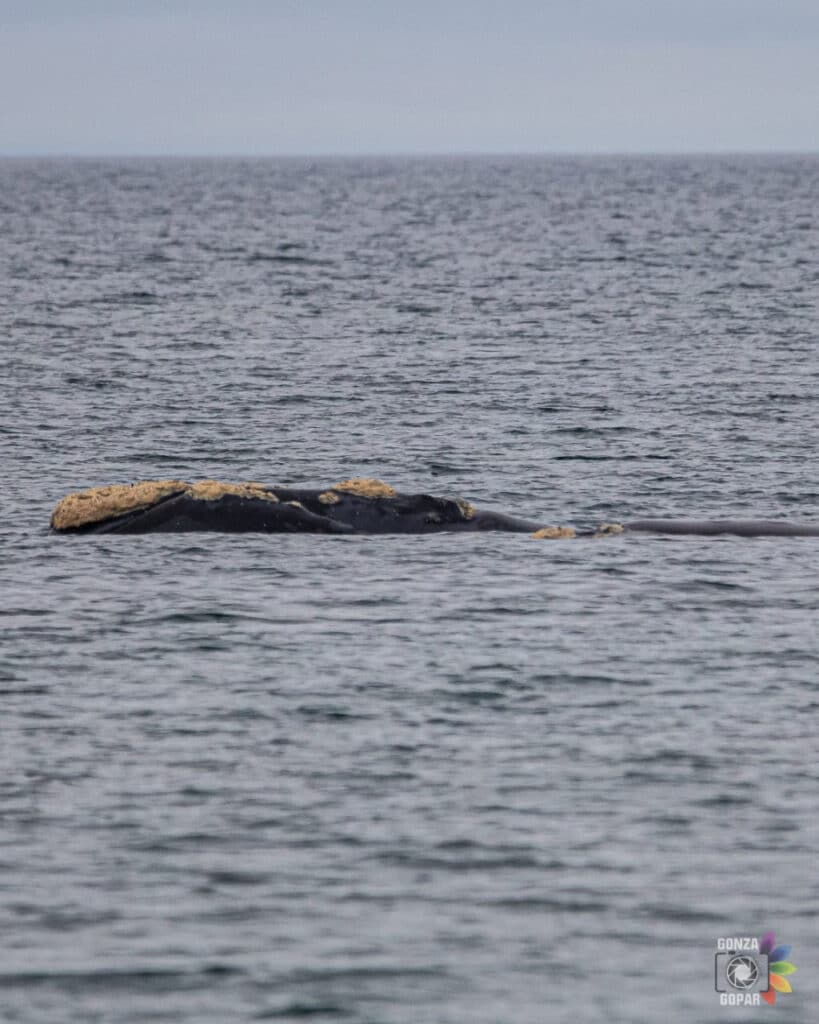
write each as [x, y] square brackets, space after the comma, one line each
[394, 154]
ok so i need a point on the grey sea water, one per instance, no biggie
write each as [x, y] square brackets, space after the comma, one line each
[449, 778]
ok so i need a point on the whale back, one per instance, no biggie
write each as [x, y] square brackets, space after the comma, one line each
[714, 527]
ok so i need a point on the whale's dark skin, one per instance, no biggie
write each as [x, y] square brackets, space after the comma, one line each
[230, 514]
[304, 510]
[351, 513]
[715, 527]
[404, 513]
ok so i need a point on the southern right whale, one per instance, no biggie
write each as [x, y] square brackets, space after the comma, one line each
[356, 506]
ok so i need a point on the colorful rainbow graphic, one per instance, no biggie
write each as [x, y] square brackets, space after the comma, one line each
[778, 966]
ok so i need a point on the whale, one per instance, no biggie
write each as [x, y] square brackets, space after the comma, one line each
[714, 527]
[359, 505]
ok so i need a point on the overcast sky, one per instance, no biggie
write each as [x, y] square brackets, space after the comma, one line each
[386, 76]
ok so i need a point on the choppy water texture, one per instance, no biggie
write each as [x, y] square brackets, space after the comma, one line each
[452, 778]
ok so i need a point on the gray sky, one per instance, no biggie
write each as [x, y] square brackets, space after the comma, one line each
[385, 76]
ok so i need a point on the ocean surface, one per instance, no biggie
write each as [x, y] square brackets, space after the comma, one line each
[454, 778]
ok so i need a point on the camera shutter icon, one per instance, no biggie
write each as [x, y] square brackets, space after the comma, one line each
[742, 972]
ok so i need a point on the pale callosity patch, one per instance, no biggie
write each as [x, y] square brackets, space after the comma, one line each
[608, 529]
[554, 533]
[329, 498]
[365, 487]
[96, 504]
[213, 490]
[466, 507]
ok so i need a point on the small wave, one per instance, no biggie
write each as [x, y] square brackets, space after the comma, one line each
[155, 977]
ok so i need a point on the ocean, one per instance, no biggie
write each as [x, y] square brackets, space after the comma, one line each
[409, 779]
